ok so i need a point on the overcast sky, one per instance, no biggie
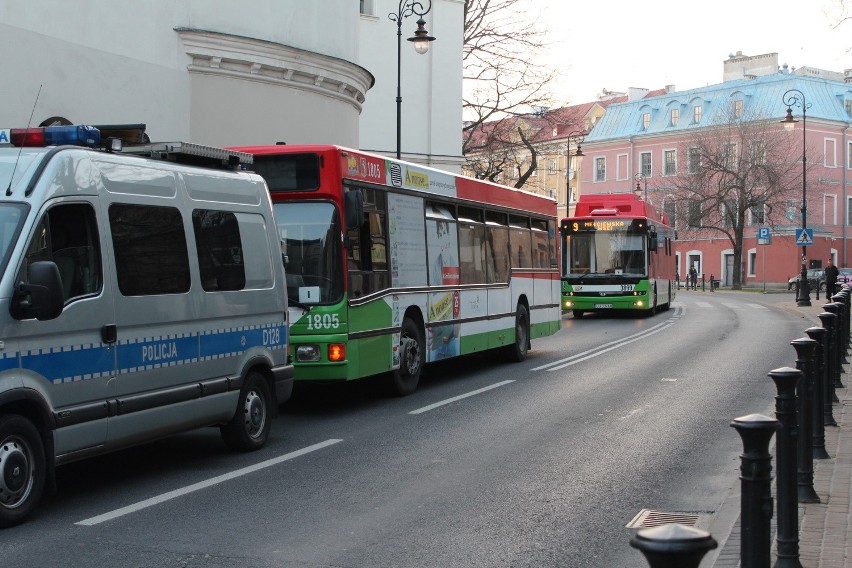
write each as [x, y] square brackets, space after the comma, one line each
[617, 44]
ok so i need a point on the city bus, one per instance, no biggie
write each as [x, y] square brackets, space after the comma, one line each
[392, 265]
[617, 256]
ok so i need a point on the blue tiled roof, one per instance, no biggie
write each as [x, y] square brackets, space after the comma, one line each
[762, 96]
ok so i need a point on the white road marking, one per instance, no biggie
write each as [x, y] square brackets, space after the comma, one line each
[202, 485]
[704, 304]
[601, 349]
[459, 397]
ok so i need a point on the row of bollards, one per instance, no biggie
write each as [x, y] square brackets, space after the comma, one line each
[803, 408]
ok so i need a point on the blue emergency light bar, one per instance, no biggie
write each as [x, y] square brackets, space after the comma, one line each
[77, 135]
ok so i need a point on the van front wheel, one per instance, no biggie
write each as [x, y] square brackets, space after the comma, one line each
[22, 469]
[249, 429]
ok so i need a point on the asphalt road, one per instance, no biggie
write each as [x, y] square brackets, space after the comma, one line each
[488, 464]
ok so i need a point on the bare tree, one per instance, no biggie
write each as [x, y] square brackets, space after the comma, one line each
[502, 80]
[744, 171]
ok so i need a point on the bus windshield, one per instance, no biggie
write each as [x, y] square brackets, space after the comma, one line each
[606, 253]
[310, 243]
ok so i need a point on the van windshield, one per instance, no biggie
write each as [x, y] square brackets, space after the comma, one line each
[12, 217]
[310, 242]
[16, 160]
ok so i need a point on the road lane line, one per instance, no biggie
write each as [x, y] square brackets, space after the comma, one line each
[602, 351]
[202, 485]
[459, 397]
[616, 342]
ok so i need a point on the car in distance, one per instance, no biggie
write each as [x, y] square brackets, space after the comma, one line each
[816, 276]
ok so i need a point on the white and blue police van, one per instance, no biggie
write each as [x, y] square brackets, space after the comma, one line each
[142, 295]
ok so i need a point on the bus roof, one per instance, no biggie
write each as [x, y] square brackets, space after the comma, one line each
[375, 168]
[625, 205]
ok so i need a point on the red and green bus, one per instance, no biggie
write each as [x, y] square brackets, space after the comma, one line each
[391, 265]
[617, 256]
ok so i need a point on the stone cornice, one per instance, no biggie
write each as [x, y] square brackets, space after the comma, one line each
[226, 55]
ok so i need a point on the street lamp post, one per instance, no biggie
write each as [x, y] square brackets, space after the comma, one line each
[576, 137]
[421, 41]
[638, 189]
[795, 97]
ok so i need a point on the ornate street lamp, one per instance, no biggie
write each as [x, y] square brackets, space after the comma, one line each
[795, 97]
[421, 41]
[638, 189]
[576, 137]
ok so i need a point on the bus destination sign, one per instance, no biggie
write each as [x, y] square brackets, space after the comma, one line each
[581, 225]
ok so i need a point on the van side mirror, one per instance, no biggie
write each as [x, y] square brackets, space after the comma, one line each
[353, 208]
[41, 296]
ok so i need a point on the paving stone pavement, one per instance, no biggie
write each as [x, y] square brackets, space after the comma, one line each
[825, 528]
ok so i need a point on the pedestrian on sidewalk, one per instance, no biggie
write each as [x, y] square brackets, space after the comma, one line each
[831, 273]
[693, 278]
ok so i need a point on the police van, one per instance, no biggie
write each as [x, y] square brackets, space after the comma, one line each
[142, 295]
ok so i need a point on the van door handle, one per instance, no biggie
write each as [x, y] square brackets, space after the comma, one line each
[109, 333]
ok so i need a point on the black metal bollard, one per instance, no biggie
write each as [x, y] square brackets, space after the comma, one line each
[843, 299]
[756, 478]
[828, 321]
[673, 545]
[818, 419]
[837, 310]
[787, 537]
[805, 347]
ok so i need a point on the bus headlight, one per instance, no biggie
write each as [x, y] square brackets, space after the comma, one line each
[639, 303]
[567, 304]
[307, 353]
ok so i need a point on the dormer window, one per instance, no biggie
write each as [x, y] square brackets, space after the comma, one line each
[674, 116]
[738, 109]
[696, 114]
[646, 120]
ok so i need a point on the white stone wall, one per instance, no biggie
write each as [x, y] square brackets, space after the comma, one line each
[225, 72]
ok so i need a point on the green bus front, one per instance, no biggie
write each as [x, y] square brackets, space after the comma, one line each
[606, 265]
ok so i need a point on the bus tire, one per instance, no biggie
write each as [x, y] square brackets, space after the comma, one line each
[412, 355]
[249, 429]
[578, 313]
[22, 469]
[517, 352]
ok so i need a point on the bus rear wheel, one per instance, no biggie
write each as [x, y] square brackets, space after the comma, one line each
[517, 352]
[412, 357]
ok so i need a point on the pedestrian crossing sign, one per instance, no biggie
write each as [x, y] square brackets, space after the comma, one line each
[804, 237]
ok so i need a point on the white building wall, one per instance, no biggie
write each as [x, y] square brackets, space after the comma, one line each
[431, 84]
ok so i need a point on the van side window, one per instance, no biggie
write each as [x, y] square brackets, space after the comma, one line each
[150, 249]
[68, 236]
[220, 250]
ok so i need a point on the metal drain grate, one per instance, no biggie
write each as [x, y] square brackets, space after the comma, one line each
[647, 518]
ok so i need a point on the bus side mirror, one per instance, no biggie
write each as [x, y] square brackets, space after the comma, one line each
[41, 296]
[652, 241]
[353, 208]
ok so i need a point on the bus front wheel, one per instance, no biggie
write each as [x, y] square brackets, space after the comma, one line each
[412, 354]
[578, 313]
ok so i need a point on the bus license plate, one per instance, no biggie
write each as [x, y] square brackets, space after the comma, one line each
[603, 306]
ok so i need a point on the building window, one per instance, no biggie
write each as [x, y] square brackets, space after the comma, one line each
[368, 8]
[696, 114]
[670, 161]
[758, 214]
[551, 166]
[830, 153]
[674, 116]
[671, 212]
[752, 262]
[694, 214]
[694, 160]
[849, 210]
[730, 155]
[645, 161]
[600, 169]
[849, 155]
[758, 152]
[829, 209]
[738, 109]
[847, 104]
[646, 120]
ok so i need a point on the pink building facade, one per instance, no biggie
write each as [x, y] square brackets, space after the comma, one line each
[644, 146]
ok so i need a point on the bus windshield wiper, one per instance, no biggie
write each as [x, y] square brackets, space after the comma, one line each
[305, 307]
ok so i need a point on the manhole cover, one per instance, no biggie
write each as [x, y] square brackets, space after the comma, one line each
[647, 518]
